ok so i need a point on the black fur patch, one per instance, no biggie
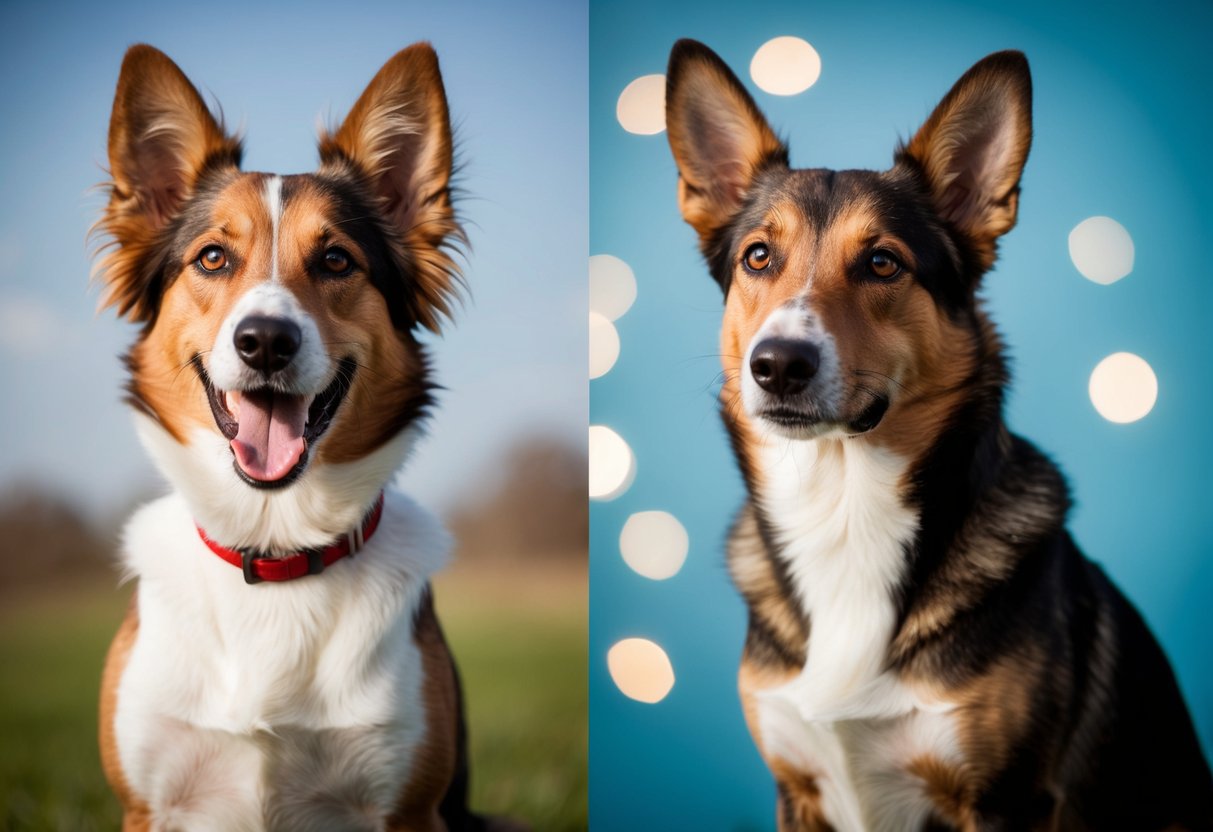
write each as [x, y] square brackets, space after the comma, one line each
[356, 209]
[899, 201]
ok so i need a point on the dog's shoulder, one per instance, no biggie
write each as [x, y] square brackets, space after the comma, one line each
[415, 542]
[158, 534]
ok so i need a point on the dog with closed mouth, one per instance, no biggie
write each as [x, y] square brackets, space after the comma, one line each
[927, 647]
[280, 666]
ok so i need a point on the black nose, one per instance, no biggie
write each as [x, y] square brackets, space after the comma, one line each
[267, 344]
[784, 366]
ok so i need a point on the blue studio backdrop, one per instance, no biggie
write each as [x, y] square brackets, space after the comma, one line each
[1122, 121]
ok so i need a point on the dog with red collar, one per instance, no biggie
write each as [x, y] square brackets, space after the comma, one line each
[280, 666]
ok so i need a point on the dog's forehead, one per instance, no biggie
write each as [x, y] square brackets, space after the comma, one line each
[822, 199]
[818, 209]
[245, 204]
[228, 201]
[267, 195]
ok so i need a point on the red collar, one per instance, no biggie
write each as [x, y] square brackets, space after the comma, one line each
[259, 567]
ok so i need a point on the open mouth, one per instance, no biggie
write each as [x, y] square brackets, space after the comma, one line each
[270, 432]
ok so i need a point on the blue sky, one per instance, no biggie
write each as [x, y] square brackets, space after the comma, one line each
[1122, 118]
[516, 78]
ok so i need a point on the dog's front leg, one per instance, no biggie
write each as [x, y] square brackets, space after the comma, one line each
[798, 803]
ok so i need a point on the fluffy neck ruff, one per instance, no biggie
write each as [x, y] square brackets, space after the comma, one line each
[323, 504]
[257, 567]
[841, 526]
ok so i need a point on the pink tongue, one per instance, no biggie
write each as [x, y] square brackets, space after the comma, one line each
[269, 440]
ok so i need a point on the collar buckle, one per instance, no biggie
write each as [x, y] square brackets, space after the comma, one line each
[250, 572]
[315, 561]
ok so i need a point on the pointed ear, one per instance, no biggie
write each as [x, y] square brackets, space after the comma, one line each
[161, 139]
[718, 135]
[973, 147]
[398, 136]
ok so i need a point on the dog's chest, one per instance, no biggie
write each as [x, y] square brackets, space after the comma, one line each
[868, 773]
[837, 512]
[289, 706]
[839, 519]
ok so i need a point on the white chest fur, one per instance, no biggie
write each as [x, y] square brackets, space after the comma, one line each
[294, 705]
[836, 508]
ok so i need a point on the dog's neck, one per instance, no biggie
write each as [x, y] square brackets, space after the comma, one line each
[841, 528]
[855, 522]
[324, 504]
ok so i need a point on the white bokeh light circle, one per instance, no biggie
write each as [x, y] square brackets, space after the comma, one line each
[604, 345]
[1101, 249]
[640, 669]
[641, 106]
[1123, 387]
[612, 286]
[654, 544]
[612, 464]
[785, 66]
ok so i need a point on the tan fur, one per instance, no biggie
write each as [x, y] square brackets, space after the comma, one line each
[949, 788]
[801, 810]
[136, 814]
[994, 711]
[434, 766]
[754, 576]
[986, 549]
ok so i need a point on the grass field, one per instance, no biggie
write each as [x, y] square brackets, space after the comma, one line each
[520, 641]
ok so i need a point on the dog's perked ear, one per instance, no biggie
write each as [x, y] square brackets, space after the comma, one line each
[398, 136]
[973, 147]
[162, 139]
[718, 135]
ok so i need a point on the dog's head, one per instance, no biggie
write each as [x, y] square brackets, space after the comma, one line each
[278, 312]
[278, 360]
[849, 295]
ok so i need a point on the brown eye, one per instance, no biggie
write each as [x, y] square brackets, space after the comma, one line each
[884, 265]
[757, 257]
[212, 258]
[337, 262]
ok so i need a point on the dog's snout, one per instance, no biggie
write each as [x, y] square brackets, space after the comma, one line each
[784, 366]
[267, 344]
